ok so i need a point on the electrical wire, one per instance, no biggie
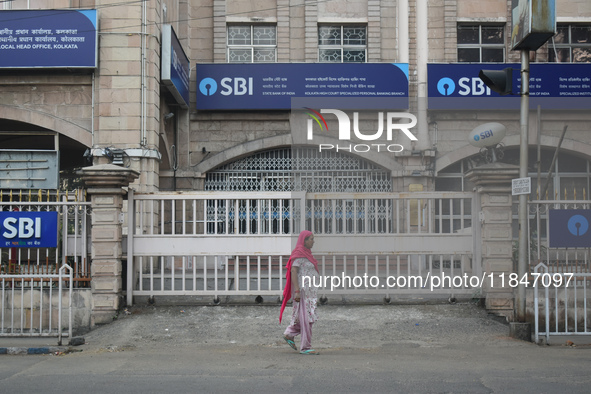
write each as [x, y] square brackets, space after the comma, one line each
[131, 2]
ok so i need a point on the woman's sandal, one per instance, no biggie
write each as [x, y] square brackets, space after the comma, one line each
[310, 351]
[290, 342]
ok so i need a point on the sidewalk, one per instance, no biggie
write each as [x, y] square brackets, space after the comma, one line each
[356, 326]
[167, 328]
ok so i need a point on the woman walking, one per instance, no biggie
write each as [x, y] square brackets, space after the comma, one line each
[301, 264]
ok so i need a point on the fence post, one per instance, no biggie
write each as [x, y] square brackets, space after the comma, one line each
[130, 235]
[493, 184]
[105, 184]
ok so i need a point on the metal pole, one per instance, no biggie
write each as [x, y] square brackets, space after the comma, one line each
[523, 160]
[539, 158]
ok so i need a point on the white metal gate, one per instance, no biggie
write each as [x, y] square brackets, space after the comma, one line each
[237, 243]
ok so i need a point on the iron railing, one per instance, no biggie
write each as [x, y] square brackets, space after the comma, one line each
[29, 307]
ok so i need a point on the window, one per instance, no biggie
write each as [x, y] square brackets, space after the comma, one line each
[342, 44]
[481, 44]
[571, 44]
[252, 44]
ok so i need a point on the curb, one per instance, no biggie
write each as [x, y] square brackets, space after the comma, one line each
[34, 350]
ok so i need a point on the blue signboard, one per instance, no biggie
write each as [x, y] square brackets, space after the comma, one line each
[28, 229]
[273, 85]
[48, 38]
[552, 86]
[569, 228]
[175, 67]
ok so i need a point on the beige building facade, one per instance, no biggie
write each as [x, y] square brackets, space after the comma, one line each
[122, 104]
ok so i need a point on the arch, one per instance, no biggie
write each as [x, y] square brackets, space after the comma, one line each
[47, 121]
[466, 151]
[285, 140]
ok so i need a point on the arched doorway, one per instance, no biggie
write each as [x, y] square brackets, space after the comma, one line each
[299, 169]
[21, 136]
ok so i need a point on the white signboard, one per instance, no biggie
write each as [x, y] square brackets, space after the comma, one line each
[521, 186]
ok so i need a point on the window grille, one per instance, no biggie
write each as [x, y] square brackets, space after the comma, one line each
[342, 44]
[252, 44]
[301, 169]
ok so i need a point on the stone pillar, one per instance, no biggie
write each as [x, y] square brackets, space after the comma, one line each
[105, 184]
[493, 185]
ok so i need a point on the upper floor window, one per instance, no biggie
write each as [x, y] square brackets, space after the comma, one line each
[342, 43]
[481, 43]
[252, 44]
[571, 44]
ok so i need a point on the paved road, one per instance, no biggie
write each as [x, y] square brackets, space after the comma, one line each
[389, 348]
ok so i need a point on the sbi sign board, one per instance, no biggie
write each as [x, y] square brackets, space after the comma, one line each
[28, 229]
[273, 86]
[569, 228]
[457, 86]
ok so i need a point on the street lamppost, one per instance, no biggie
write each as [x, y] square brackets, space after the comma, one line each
[523, 160]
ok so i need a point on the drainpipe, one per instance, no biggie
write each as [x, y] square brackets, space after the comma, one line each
[402, 17]
[92, 99]
[422, 20]
[143, 141]
[175, 157]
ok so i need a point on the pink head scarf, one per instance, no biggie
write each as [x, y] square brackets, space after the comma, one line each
[298, 252]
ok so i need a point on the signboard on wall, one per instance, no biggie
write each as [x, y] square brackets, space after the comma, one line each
[533, 22]
[48, 39]
[552, 86]
[569, 228]
[175, 67]
[28, 229]
[273, 85]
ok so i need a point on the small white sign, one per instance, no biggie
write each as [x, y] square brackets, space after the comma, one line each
[521, 186]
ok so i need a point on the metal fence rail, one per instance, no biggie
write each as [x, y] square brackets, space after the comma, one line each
[30, 306]
[264, 275]
[563, 308]
[277, 213]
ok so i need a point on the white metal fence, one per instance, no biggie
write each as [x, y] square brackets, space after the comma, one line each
[559, 276]
[562, 307]
[33, 304]
[237, 243]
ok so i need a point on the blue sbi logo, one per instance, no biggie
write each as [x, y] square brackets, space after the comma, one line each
[446, 86]
[208, 86]
[236, 86]
[578, 225]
